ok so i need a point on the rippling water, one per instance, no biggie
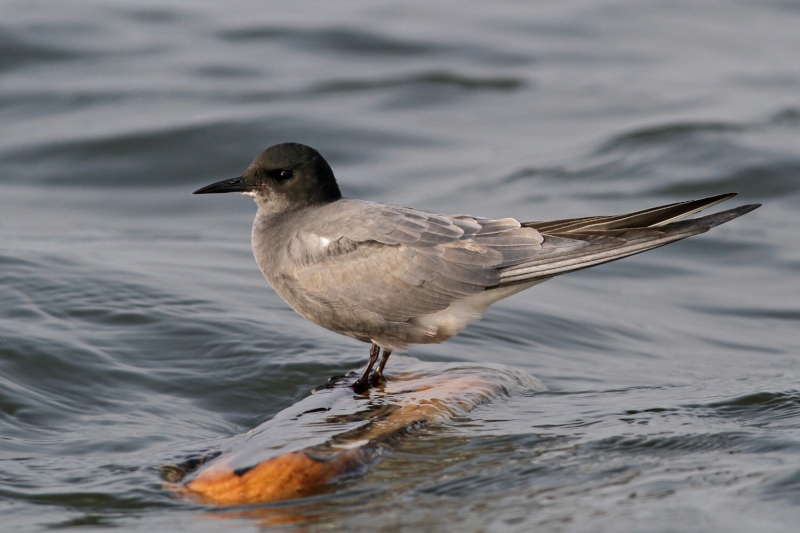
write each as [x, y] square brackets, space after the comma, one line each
[136, 328]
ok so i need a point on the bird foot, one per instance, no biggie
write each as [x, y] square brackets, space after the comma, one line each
[361, 385]
[377, 379]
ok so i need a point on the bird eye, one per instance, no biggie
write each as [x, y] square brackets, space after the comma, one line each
[285, 174]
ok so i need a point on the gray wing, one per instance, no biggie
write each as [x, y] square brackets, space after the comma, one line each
[397, 263]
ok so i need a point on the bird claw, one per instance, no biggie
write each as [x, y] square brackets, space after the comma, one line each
[377, 379]
[361, 385]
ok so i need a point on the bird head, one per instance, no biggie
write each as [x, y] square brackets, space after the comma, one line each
[283, 178]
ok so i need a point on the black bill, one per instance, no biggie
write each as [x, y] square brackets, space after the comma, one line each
[232, 185]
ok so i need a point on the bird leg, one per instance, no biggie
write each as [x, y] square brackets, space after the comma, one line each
[377, 376]
[362, 383]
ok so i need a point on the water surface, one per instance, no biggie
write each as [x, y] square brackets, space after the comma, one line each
[135, 327]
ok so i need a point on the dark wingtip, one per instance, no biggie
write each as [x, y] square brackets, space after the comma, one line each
[717, 198]
[725, 216]
[744, 209]
[726, 195]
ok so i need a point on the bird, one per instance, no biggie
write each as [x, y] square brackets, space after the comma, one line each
[394, 276]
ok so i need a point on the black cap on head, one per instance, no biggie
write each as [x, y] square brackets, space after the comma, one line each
[288, 175]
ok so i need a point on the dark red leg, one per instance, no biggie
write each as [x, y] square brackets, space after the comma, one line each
[362, 383]
[377, 376]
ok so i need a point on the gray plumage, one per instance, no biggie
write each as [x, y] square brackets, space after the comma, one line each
[395, 276]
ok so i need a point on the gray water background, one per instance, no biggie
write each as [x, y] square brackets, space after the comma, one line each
[135, 327]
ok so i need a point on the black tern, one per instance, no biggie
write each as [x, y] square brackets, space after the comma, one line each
[393, 276]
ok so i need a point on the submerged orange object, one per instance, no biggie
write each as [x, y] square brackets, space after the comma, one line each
[337, 433]
[279, 478]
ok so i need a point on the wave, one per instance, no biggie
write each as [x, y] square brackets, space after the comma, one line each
[776, 179]
[18, 52]
[348, 41]
[188, 154]
[667, 133]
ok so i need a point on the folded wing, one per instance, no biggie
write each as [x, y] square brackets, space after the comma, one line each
[389, 264]
[394, 263]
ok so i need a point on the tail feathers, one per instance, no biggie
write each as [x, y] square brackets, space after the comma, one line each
[576, 249]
